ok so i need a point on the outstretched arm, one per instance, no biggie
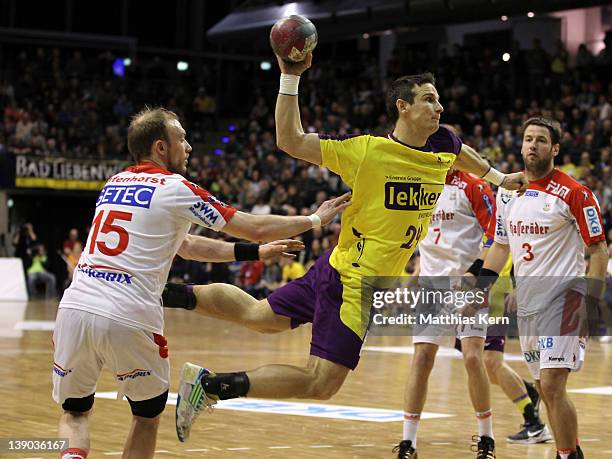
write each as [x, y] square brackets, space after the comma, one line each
[290, 135]
[469, 160]
[270, 227]
[199, 248]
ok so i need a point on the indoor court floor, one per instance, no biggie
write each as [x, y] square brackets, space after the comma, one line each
[362, 421]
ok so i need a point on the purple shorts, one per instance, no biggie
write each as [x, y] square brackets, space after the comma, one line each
[492, 343]
[317, 297]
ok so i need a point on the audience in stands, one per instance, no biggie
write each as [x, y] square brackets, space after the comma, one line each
[63, 105]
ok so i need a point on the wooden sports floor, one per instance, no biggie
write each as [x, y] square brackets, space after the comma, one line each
[361, 421]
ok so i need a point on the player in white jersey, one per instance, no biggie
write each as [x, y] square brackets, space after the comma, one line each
[111, 315]
[452, 248]
[547, 229]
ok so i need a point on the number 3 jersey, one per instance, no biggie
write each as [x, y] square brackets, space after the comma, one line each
[454, 240]
[142, 217]
[547, 229]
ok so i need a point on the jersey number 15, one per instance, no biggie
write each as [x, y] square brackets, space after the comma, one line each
[110, 227]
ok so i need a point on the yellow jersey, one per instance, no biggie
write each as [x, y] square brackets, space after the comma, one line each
[395, 190]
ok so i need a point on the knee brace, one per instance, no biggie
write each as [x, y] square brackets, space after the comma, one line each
[78, 405]
[149, 408]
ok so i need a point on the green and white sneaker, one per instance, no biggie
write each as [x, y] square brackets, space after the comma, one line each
[191, 399]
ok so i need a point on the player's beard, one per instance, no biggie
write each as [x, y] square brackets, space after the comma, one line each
[539, 166]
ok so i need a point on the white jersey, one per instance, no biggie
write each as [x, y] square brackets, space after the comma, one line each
[547, 228]
[462, 215]
[142, 217]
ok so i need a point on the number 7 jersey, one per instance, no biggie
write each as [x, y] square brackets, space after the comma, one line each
[141, 219]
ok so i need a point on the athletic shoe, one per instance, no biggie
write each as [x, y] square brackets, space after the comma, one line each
[530, 434]
[485, 447]
[405, 450]
[578, 454]
[191, 399]
[534, 395]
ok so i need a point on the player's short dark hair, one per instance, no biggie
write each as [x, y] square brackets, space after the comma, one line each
[402, 88]
[553, 126]
[146, 127]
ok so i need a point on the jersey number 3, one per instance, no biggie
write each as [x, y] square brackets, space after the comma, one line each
[109, 227]
[529, 254]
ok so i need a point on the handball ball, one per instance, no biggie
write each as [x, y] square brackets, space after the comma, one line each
[293, 37]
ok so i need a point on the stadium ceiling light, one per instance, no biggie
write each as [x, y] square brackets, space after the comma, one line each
[182, 66]
[265, 65]
[365, 36]
[504, 18]
[290, 8]
[530, 14]
[127, 62]
[506, 57]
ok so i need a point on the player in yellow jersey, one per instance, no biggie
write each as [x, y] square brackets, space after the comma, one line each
[396, 181]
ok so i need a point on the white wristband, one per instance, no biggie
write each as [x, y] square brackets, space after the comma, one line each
[289, 84]
[315, 220]
[494, 176]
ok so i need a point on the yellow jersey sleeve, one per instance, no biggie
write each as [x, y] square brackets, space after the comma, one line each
[344, 155]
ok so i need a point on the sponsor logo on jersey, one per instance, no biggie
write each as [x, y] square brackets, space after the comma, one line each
[105, 273]
[126, 195]
[520, 228]
[488, 204]
[134, 374]
[442, 216]
[592, 219]
[60, 371]
[506, 197]
[532, 193]
[557, 189]
[556, 359]
[205, 212]
[138, 178]
[499, 227]
[531, 356]
[411, 196]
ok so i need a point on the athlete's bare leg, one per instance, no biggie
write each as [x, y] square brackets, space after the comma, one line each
[75, 427]
[561, 411]
[320, 379]
[478, 383]
[227, 302]
[415, 392]
[501, 374]
[141, 441]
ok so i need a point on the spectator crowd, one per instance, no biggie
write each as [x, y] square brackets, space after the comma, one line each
[66, 105]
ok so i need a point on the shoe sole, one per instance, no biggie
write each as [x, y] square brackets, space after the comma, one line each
[190, 374]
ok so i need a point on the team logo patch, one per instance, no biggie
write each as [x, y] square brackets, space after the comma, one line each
[592, 220]
[130, 195]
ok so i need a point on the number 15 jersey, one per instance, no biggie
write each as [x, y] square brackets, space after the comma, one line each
[142, 217]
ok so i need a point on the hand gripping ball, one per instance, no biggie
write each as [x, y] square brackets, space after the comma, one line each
[293, 37]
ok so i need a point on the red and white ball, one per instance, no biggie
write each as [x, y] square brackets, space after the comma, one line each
[293, 37]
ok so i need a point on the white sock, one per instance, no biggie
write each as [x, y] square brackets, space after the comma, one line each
[485, 424]
[411, 425]
[564, 455]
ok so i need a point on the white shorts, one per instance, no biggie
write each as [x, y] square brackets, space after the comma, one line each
[549, 351]
[444, 335]
[85, 342]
